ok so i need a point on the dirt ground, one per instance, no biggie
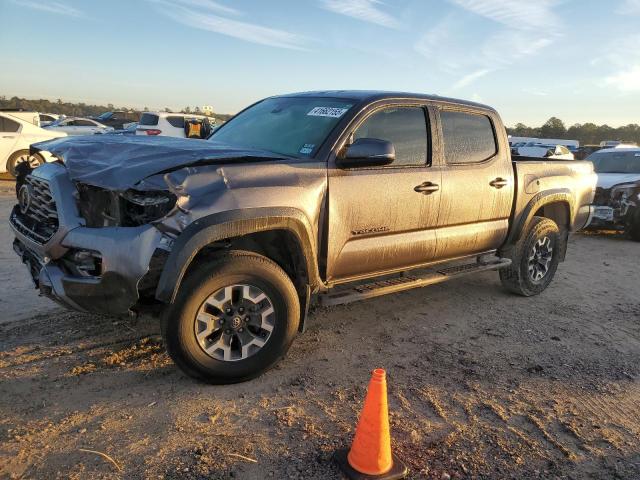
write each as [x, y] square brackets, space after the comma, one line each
[482, 384]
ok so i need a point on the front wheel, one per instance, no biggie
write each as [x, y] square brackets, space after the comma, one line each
[535, 259]
[233, 319]
[633, 226]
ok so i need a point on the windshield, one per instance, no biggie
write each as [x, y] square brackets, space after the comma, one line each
[292, 126]
[105, 116]
[616, 162]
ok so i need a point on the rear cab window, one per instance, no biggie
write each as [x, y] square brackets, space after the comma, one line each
[467, 137]
[405, 127]
[149, 119]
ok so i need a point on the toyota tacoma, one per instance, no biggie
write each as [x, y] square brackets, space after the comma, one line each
[319, 197]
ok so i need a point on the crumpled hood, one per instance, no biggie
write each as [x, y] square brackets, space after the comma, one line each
[119, 162]
[608, 180]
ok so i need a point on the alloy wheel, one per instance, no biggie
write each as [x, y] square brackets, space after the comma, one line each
[539, 259]
[235, 322]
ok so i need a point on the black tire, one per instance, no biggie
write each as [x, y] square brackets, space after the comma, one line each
[518, 278]
[633, 226]
[13, 161]
[235, 267]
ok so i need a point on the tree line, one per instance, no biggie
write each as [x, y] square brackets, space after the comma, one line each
[71, 109]
[586, 133]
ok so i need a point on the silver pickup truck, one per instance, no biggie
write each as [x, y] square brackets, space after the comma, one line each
[326, 197]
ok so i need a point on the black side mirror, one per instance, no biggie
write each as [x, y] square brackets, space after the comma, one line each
[367, 152]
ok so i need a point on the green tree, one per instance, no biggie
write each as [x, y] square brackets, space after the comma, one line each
[553, 128]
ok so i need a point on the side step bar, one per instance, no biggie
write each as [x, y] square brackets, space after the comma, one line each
[408, 281]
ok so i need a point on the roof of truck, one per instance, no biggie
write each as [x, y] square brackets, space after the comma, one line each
[374, 95]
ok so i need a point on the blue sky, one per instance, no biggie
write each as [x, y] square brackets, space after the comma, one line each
[531, 59]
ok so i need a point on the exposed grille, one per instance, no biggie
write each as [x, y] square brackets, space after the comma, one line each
[39, 221]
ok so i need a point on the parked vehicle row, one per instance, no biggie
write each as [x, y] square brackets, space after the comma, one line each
[316, 197]
[540, 150]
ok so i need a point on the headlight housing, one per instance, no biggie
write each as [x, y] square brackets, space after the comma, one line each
[105, 208]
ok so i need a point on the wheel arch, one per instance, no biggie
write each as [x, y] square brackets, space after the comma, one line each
[282, 234]
[557, 205]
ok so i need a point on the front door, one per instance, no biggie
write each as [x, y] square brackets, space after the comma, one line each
[478, 184]
[383, 219]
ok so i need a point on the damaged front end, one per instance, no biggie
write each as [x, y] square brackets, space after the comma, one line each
[616, 207]
[72, 239]
[96, 227]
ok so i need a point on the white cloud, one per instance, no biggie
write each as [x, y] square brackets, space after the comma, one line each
[471, 77]
[518, 14]
[627, 80]
[210, 5]
[524, 29]
[629, 7]
[249, 32]
[58, 8]
[365, 10]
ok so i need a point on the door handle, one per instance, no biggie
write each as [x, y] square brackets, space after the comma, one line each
[427, 188]
[499, 183]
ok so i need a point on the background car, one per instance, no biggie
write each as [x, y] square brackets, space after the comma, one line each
[118, 119]
[617, 199]
[16, 135]
[167, 124]
[78, 126]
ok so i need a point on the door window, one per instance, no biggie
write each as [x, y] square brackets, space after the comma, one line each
[405, 127]
[467, 137]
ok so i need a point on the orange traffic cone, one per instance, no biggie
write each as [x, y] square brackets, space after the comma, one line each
[370, 456]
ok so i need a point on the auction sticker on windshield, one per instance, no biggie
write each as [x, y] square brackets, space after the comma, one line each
[332, 112]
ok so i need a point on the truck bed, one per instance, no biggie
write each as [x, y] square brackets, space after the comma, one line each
[534, 176]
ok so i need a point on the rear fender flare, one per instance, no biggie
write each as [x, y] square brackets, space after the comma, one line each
[562, 195]
[231, 224]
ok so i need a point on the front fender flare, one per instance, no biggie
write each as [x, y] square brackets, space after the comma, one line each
[230, 224]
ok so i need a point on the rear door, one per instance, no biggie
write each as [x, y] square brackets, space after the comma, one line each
[380, 219]
[9, 133]
[477, 181]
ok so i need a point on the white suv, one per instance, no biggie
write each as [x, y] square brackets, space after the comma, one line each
[16, 135]
[166, 123]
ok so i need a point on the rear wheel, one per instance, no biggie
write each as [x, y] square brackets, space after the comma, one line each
[23, 156]
[534, 259]
[232, 320]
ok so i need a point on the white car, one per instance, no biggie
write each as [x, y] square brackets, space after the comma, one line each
[167, 124]
[553, 152]
[16, 135]
[78, 126]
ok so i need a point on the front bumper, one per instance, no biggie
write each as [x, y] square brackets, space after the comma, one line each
[124, 253]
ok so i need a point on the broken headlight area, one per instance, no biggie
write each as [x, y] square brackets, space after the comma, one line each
[132, 208]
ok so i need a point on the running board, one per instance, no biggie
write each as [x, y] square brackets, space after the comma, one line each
[407, 282]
